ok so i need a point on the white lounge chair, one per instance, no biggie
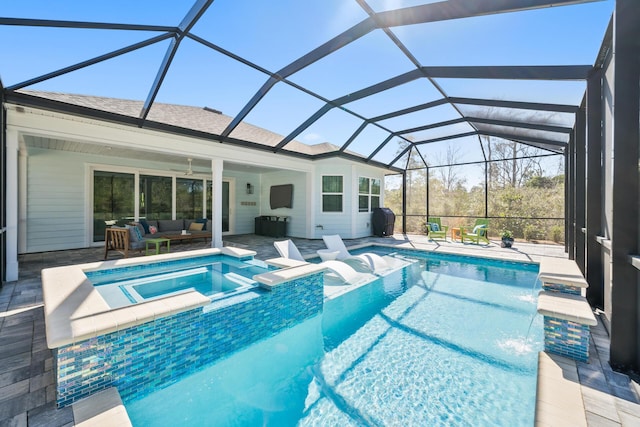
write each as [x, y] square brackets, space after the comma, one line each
[368, 261]
[346, 273]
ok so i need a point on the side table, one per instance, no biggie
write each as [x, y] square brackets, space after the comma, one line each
[158, 242]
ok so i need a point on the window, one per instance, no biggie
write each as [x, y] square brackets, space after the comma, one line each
[112, 201]
[189, 193]
[156, 195]
[332, 193]
[368, 194]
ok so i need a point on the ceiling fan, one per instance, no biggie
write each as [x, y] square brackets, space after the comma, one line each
[189, 170]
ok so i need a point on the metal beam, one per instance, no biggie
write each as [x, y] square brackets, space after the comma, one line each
[380, 147]
[524, 138]
[446, 138]
[85, 25]
[559, 108]
[524, 72]
[379, 87]
[580, 188]
[409, 110]
[89, 62]
[517, 124]
[457, 9]
[354, 136]
[625, 292]
[594, 196]
[189, 20]
[432, 126]
[287, 139]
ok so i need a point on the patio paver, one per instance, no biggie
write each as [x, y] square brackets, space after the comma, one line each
[27, 384]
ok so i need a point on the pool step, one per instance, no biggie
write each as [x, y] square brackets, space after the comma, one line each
[101, 409]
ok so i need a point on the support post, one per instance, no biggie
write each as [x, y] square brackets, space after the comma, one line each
[571, 199]
[594, 194]
[404, 201]
[216, 203]
[625, 319]
[579, 185]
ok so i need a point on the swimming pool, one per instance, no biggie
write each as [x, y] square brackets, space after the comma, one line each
[453, 343]
[212, 276]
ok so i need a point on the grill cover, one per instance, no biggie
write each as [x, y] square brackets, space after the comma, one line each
[382, 221]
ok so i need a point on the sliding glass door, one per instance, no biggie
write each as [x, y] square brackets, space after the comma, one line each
[228, 186]
[160, 197]
[113, 201]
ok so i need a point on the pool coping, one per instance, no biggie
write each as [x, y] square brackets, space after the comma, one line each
[86, 312]
[74, 310]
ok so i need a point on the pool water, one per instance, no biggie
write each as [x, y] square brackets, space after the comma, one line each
[211, 276]
[453, 343]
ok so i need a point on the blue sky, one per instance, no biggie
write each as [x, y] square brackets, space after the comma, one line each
[272, 34]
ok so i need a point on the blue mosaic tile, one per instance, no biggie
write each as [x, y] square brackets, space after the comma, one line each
[566, 338]
[139, 359]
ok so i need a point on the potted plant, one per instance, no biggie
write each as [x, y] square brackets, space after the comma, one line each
[507, 239]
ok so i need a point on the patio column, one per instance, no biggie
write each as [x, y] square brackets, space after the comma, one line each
[11, 231]
[579, 182]
[594, 196]
[625, 318]
[216, 203]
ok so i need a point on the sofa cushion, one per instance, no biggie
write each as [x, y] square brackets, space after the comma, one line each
[196, 226]
[170, 225]
[204, 222]
[145, 225]
[134, 233]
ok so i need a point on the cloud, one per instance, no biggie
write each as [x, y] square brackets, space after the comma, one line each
[311, 137]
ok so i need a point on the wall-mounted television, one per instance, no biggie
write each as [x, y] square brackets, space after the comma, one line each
[281, 196]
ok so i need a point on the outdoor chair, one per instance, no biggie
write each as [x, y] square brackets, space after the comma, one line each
[367, 262]
[116, 239]
[435, 229]
[479, 232]
[346, 273]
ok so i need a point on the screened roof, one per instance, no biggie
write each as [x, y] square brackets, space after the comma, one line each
[369, 80]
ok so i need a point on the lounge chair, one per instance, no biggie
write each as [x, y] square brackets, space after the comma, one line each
[346, 273]
[479, 232]
[435, 229]
[367, 262]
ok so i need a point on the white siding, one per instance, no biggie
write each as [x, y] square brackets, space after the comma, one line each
[298, 213]
[55, 201]
[247, 206]
[349, 223]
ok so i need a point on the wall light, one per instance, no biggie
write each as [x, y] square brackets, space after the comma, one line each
[249, 188]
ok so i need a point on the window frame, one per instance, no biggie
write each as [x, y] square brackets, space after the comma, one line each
[369, 194]
[323, 193]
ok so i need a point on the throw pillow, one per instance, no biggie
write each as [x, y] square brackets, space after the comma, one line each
[478, 228]
[134, 233]
[202, 221]
[145, 225]
[435, 226]
[153, 229]
[195, 226]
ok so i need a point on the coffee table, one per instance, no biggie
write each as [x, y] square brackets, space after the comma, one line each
[158, 242]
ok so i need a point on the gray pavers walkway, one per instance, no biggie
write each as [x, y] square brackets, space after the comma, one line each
[27, 385]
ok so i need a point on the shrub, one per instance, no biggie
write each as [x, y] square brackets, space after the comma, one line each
[557, 233]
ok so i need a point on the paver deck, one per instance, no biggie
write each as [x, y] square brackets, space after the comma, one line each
[27, 383]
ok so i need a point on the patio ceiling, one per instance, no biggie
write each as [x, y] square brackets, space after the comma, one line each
[368, 80]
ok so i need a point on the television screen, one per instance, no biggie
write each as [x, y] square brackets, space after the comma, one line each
[281, 196]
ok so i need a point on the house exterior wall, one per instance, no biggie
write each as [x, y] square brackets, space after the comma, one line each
[297, 215]
[349, 223]
[55, 200]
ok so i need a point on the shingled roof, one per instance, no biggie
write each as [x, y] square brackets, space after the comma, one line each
[204, 120]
